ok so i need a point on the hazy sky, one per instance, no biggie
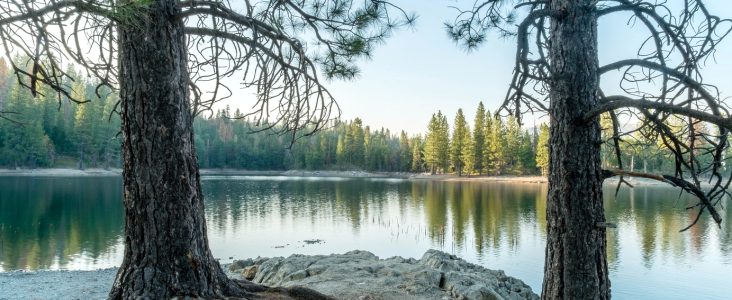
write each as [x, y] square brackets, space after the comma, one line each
[419, 71]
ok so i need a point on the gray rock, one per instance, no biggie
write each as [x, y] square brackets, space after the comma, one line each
[362, 275]
[240, 264]
[250, 272]
[353, 275]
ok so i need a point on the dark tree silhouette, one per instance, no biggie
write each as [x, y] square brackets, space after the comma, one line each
[557, 72]
[168, 60]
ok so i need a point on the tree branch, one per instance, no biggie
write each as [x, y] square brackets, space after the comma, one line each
[616, 102]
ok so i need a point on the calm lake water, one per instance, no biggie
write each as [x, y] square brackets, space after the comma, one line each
[77, 223]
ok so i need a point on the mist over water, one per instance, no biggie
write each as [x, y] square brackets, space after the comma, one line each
[77, 223]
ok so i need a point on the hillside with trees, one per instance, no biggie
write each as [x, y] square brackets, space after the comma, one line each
[42, 132]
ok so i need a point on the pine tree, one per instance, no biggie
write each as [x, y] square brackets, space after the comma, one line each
[443, 142]
[461, 133]
[4, 82]
[405, 152]
[24, 144]
[83, 123]
[498, 147]
[431, 147]
[542, 149]
[526, 155]
[468, 153]
[417, 160]
[478, 141]
[489, 155]
[341, 150]
[355, 143]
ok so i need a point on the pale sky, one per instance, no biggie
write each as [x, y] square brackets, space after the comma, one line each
[419, 71]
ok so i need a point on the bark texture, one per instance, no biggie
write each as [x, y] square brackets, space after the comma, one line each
[166, 247]
[575, 265]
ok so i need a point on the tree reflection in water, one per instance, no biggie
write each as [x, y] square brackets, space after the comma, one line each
[77, 223]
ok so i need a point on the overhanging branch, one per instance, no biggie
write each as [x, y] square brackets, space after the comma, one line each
[676, 182]
[616, 102]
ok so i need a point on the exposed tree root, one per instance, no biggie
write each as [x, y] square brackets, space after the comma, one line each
[250, 290]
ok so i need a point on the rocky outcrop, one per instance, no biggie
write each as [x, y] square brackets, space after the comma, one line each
[362, 275]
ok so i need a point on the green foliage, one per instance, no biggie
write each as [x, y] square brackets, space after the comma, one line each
[478, 141]
[437, 144]
[460, 142]
[417, 155]
[542, 149]
[53, 130]
[225, 143]
[498, 150]
[495, 146]
[644, 149]
[24, 144]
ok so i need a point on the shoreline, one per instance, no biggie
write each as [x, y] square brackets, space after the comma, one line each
[518, 179]
[352, 275]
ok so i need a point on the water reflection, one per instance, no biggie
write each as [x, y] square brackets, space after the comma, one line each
[60, 222]
[76, 223]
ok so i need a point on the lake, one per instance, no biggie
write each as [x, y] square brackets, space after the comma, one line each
[76, 223]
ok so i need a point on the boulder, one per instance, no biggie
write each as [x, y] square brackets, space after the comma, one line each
[362, 275]
[250, 272]
[240, 264]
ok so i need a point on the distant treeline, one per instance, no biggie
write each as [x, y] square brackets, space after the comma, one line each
[41, 131]
[226, 141]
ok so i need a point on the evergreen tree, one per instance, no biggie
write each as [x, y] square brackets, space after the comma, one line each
[498, 146]
[341, 150]
[84, 122]
[460, 135]
[468, 153]
[443, 142]
[24, 144]
[542, 149]
[417, 157]
[526, 155]
[512, 144]
[489, 155]
[405, 151]
[355, 143]
[4, 81]
[431, 147]
[478, 141]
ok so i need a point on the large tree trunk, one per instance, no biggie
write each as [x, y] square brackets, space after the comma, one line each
[166, 247]
[576, 265]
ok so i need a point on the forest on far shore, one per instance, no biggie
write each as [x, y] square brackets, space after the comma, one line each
[41, 131]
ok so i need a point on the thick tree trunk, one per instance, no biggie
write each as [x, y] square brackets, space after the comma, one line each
[166, 247]
[576, 265]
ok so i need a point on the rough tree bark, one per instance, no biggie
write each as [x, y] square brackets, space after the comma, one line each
[576, 265]
[166, 247]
